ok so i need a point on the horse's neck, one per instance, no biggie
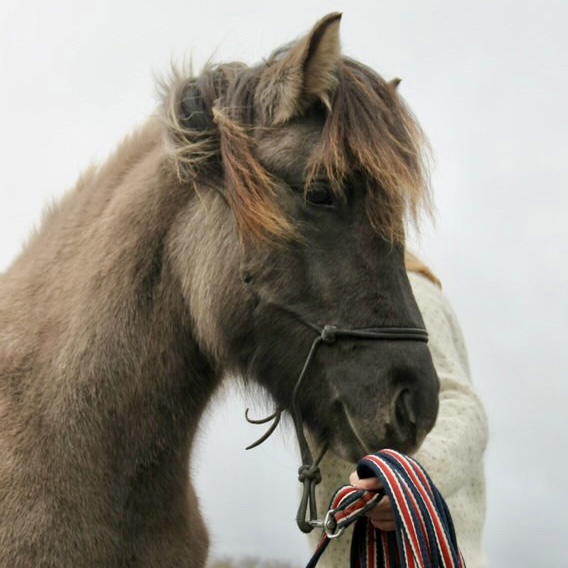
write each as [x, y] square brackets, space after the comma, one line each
[97, 339]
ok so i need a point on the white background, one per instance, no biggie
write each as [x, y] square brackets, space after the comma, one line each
[488, 81]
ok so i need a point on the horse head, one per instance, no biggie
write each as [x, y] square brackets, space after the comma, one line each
[305, 169]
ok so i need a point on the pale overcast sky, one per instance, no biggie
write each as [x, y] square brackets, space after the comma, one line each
[488, 81]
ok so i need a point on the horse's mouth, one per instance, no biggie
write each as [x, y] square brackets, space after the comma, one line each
[352, 441]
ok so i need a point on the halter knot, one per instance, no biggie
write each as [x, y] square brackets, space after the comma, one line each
[328, 334]
[309, 472]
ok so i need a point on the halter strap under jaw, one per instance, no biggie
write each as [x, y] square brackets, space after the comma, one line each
[309, 473]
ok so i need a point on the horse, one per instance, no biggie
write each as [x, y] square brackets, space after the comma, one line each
[257, 206]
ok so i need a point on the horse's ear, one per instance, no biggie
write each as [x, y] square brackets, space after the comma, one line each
[320, 56]
[305, 73]
[394, 83]
[196, 113]
[192, 134]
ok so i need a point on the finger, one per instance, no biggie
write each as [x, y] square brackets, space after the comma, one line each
[353, 478]
[382, 516]
[385, 526]
[369, 484]
[381, 511]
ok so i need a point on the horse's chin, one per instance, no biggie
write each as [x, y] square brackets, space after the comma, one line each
[353, 441]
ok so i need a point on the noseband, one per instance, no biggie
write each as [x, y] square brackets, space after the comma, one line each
[309, 473]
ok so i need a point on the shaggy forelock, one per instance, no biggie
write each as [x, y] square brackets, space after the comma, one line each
[368, 131]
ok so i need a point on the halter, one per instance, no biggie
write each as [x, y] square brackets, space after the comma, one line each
[309, 473]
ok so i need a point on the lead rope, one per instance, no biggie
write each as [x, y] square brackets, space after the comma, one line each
[424, 536]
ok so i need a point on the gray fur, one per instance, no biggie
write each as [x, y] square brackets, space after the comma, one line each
[141, 291]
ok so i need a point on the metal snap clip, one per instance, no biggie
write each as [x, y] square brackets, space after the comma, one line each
[330, 526]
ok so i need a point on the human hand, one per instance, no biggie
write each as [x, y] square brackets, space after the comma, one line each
[381, 516]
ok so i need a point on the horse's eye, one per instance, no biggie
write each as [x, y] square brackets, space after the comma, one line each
[319, 194]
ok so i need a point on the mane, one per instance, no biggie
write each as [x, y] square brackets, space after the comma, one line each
[414, 264]
[368, 131]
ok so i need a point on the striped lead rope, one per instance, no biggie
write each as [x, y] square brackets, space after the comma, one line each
[424, 536]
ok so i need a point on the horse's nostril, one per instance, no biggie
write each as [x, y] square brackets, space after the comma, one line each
[404, 411]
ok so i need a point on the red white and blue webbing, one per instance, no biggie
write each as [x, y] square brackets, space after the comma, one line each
[424, 536]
